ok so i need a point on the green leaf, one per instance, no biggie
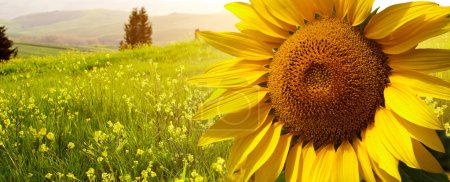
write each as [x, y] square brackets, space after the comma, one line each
[416, 175]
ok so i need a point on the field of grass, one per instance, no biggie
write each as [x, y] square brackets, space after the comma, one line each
[30, 49]
[105, 116]
[114, 116]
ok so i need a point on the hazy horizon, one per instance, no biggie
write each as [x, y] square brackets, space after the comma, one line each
[13, 9]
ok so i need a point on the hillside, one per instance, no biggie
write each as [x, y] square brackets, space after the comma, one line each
[30, 49]
[94, 27]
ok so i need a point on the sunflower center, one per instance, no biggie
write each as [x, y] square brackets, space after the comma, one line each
[326, 82]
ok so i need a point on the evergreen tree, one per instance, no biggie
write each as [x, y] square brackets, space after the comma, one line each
[138, 31]
[6, 52]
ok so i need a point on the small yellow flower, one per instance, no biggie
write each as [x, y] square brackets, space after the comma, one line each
[49, 175]
[71, 145]
[139, 152]
[50, 136]
[43, 131]
[43, 148]
[71, 176]
[99, 159]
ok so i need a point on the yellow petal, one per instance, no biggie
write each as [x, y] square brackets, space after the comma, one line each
[243, 146]
[263, 150]
[261, 8]
[323, 167]
[324, 7]
[382, 174]
[423, 60]
[405, 40]
[216, 94]
[246, 13]
[346, 163]
[232, 102]
[394, 137]
[342, 7]
[270, 171]
[283, 10]
[237, 63]
[365, 168]
[306, 8]
[427, 136]
[411, 24]
[378, 153]
[235, 125]
[390, 19]
[253, 33]
[403, 103]
[307, 160]
[246, 76]
[426, 161]
[359, 11]
[238, 44]
[293, 162]
[422, 84]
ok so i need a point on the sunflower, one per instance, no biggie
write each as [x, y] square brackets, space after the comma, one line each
[327, 90]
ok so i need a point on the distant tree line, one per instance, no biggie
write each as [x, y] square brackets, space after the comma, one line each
[138, 30]
[6, 50]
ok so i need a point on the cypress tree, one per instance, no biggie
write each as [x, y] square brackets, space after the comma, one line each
[6, 52]
[138, 31]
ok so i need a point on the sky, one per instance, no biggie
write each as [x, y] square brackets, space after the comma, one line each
[13, 8]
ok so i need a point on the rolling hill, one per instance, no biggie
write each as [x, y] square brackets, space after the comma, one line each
[94, 27]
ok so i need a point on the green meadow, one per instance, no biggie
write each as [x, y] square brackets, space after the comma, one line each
[107, 116]
[114, 116]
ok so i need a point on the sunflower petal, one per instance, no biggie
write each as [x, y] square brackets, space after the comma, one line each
[426, 161]
[231, 102]
[325, 7]
[422, 84]
[403, 103]
[359, 11]
[324, 165]
[216, 94]
[257, 35]
[261, 8]
[306, 8]
[234, 78]
[235, 125]
[400, 146]
[272, 168]
[263, 150]
[423, 60]
[346, 163]
[293, 162]
[427, 136]
[307, 162]
[246, 13]
[238, 44]
[283, 10]
[418, 21]
[382, 174]
[390, 19]
[245, 145]
[236, 64]
[378, 152]
[365, 168]
[342, 7]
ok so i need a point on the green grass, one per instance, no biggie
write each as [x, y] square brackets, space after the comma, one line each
[127, 113]
[31, 49]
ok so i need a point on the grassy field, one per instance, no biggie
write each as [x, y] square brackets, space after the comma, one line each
[29, 49]
[107, 116]
[113, 116]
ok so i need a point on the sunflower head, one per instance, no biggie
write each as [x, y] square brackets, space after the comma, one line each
[326, 90]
